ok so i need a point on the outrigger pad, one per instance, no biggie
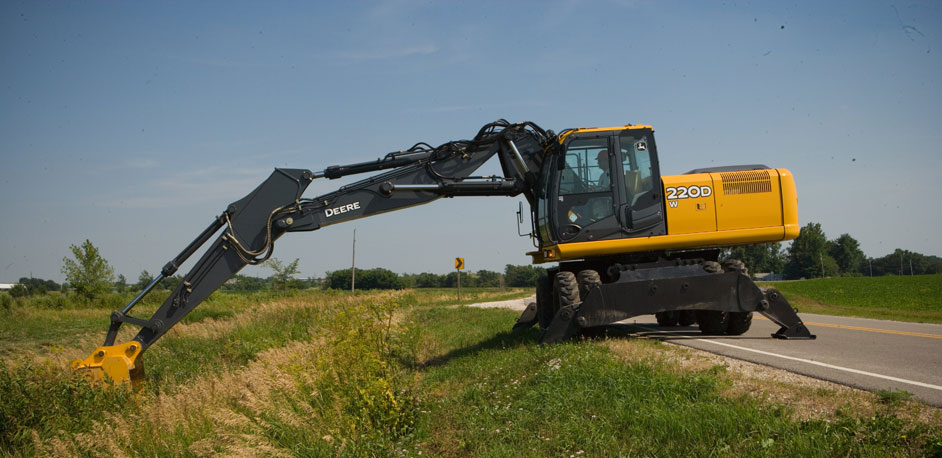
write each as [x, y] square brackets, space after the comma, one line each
[563, 326]
[795, 332]
[783, 314]
[527, 319]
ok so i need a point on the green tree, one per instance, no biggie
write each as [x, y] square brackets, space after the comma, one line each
[428, 280]
[766, 257]
[19, 290]
[847, 253]
[378, 278]
[366, 279]
[89, 273]
[284, 273]
[38, 285]
[522, 275]
[808, 252]
[143, 280]
[172, 282]
[121, 284]
[488, 278]
[245, 283]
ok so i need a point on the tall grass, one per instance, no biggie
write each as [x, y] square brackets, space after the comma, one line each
[383, 374]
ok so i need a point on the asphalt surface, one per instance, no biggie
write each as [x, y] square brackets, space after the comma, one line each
[859, 352]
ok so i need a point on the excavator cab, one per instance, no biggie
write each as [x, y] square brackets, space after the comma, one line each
[601, 184]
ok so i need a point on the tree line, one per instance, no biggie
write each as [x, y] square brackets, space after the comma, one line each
[812, 255]
[379, 278]
[90, 276]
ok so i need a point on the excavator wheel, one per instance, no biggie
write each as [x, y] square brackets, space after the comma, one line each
[735, 265]
[566, 290]
[686, 317]
[712, 322]
[545, 310]
[667, 319]
[712, 267]
[738, 323]
[587, 280]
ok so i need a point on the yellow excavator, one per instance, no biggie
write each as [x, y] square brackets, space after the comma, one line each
[626, 240]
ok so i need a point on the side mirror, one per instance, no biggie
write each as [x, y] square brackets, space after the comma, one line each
[520, 220]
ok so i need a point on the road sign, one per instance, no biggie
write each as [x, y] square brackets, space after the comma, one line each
[459, 263]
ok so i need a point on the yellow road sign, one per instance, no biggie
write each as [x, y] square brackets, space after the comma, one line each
[459, 263]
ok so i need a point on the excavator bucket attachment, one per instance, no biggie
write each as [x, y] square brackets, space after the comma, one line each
[118, 363]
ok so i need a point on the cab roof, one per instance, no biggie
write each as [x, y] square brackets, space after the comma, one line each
[562, 136]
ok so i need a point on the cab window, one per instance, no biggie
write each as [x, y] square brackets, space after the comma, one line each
[636, 166]
[587, 167]
[585, 186]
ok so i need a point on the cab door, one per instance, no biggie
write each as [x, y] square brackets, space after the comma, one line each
[586, 202]
[641, 203]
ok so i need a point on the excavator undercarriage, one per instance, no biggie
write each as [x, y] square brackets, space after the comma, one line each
[722, 302]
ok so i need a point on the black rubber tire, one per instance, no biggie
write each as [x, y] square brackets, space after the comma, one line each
[667, 319]
[686, 317]
[738, 323]
[566, 290]
[587, 280]
[712, 322]
[735, 265]
[545, 309]
[712, 267]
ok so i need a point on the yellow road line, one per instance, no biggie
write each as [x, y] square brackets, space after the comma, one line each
[858, 328]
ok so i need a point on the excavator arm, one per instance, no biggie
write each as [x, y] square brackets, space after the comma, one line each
[251, 225]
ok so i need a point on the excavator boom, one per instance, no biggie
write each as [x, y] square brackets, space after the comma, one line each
[251, 225]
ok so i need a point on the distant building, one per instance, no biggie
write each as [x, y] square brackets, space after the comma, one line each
[7, 286]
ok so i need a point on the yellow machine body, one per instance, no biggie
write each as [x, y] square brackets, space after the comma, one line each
[707, 210]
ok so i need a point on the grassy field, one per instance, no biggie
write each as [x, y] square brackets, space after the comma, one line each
[907, 298]
[408, 373]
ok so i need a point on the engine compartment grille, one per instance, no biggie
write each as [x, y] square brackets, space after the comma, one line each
[746, 182]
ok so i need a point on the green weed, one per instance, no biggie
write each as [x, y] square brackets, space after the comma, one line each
[43, 399]
[893, 397]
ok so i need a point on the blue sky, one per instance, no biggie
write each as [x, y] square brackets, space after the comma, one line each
[133, 124]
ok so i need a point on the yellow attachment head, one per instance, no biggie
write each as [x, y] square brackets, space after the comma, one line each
[118, 363]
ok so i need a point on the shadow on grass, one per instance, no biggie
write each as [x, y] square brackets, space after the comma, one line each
[511, 339]
[503, 340]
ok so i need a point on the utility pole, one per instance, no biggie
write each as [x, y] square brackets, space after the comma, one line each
[870, 261]
[353, 269]
[821, 255]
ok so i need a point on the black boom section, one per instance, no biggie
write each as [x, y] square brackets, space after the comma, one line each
[415, 176]
[250, 232]
[417, 183]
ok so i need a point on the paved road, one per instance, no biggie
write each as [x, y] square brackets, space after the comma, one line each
[863, 353]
